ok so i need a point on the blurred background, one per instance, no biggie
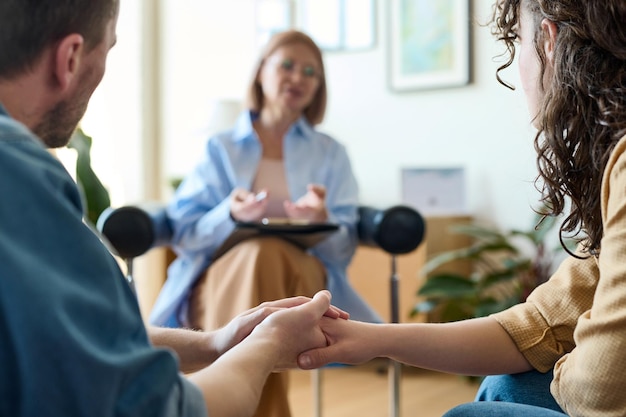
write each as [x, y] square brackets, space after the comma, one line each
[180, 64]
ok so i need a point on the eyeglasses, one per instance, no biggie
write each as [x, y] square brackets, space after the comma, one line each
[287, 65]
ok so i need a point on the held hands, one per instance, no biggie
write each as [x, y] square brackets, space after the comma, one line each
[297, 329]
[311, 206]
[242, 325]
[245, 206]
[347, 341]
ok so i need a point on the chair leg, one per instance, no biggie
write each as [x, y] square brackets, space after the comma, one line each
[394, 367]
[394, 388]
[316, 383]
[129, 274]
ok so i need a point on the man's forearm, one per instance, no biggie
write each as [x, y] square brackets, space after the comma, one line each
[233, 385]
[195, 349]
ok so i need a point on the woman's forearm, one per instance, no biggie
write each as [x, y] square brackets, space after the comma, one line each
[472, 347]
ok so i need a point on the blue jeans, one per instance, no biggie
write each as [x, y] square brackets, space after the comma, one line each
[520, 395]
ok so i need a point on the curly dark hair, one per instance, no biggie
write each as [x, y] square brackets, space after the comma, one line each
[583, 110]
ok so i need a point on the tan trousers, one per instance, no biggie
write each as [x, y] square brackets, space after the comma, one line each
[254, 271]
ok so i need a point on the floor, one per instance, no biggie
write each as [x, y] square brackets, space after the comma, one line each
[364, 391]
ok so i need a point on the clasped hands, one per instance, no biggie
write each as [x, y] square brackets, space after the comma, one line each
[292, 325]
[245, 206]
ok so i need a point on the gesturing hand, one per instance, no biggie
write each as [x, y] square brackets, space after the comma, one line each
[311, 206]
[245, 207]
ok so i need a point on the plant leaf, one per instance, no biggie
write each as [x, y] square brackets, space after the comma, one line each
[473, 252]
[491, 305]
[497, 277]
[448, 286]
[456, 311]
[477, 231]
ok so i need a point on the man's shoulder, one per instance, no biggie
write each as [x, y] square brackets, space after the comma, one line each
[21, 151]
[11, 129]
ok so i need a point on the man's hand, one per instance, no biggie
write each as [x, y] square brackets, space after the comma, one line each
[242, 325]
[296, 329]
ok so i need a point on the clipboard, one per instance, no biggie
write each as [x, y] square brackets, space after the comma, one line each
[303, 235]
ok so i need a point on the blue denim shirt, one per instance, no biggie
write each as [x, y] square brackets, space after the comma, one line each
[200, 210]
[72, 342]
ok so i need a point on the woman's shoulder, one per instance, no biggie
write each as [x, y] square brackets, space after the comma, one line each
[620, 147]
[618, 155]
[317, 135]
[241, 129]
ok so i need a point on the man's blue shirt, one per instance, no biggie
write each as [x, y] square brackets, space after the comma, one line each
[72, 341]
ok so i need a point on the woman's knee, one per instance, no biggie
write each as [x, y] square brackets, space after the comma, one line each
[531, 388]
[266, 247]
[511, 387]
[500, 409]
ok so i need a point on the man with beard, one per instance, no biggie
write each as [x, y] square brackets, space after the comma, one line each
[72, 341]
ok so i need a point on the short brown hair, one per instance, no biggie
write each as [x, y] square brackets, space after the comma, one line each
[27, 27]
[314, 113]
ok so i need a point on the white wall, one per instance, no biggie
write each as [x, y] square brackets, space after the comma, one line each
[484, 127]
[208, 53]
[113, 117]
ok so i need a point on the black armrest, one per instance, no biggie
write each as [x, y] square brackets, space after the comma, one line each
[396, 230]
[135, 229]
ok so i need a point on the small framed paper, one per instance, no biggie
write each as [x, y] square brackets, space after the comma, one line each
[435, 191]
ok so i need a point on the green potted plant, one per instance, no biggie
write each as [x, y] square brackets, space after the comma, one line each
[95, 196]
[505, 268]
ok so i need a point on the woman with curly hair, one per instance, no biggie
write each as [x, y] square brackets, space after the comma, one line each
[562, 352]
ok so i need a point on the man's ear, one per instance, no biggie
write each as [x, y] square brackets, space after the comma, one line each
[67, 59]
[550, 31]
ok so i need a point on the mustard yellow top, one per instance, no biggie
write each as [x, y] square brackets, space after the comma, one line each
[576, 322]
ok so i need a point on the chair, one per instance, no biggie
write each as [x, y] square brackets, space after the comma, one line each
[133, 230]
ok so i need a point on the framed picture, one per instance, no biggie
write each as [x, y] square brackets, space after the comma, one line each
[429, 44]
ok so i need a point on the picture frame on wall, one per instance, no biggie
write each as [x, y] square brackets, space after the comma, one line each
[429, 44]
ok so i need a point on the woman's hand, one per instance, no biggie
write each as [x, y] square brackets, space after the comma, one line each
[348, 341]
[293, 330]
[243, 324]
[246, 207]
[311, 206]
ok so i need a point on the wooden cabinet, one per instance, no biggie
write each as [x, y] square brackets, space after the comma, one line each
[370, 275]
